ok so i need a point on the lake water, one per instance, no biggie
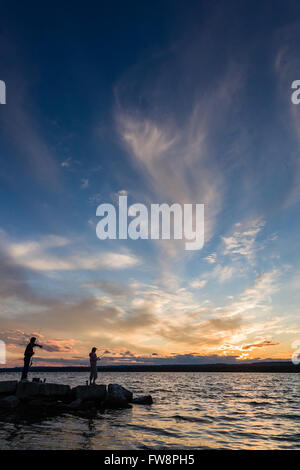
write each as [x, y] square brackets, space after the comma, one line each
[190, 411]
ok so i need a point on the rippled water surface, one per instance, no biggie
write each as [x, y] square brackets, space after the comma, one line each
[190, 410]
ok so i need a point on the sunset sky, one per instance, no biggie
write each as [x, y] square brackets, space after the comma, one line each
[163, 101]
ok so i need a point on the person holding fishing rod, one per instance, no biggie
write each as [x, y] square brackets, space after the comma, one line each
[93, 361]
[29, 352]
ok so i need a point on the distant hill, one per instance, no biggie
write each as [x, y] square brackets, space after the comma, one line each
[248, 367]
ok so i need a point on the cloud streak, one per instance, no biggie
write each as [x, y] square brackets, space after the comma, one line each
[35, 255]
[175, 152]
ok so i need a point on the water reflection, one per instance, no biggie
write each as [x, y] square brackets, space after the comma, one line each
[190, 410]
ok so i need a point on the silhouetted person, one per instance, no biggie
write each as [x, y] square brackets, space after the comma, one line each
[93, 361]
[29, 352]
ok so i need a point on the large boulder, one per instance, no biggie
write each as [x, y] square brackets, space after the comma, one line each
[8, 387]
[117, 397]
[54, 390]
[117, 389]
[9, 402]
[28, 389]
[90, 392]
[142, 400]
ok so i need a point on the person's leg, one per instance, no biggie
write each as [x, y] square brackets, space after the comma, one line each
[28, 360]
[26, 368]
[94, 373]
[23, 372]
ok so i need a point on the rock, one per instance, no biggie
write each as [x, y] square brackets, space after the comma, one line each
[87, 414]
[118, 389]
[36, 403]
[90, 392]
[33, 389]
[38, 400]
[8, 387]
[9, 402]
[88, 405]
[54, 390]
[28, 389]
[74, 405]
[117, 397]
[142, 400]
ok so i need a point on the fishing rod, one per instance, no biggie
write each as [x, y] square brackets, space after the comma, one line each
[105, 352]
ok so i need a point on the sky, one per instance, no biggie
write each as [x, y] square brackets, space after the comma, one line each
[165, 102]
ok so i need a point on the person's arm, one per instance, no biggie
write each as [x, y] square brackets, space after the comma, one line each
[39, 345]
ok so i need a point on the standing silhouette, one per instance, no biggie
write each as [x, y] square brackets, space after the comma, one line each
[93, 361]
[29, 352]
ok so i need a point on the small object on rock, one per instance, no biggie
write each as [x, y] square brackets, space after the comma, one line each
[36, 379]
[142, 400]
[9, 402]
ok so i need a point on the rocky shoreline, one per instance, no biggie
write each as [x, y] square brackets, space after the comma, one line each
[38, 400]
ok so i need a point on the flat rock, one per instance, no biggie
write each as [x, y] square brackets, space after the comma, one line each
[9, 402]
[8, 387]
[33, 389]
[28, 389]
[90, 392]
[54, 390]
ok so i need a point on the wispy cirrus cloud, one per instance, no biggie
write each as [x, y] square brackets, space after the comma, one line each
[223, 273]
[176, 153]
[198, 283]
[212, 258]
[242, 242]
[83, 261]
[37, 255]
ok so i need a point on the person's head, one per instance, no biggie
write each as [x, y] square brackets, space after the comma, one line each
[33, 340]
[94, 350]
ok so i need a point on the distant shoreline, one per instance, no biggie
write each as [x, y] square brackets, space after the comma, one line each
[249, 367]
